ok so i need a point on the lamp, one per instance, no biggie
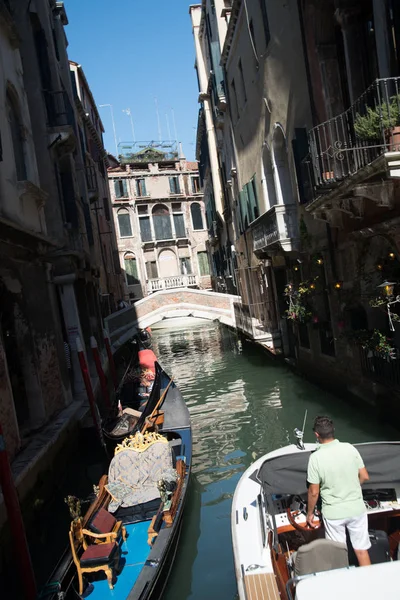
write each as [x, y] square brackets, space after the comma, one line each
[392, 255]
[379, 267]
[387, 288]
[319, 260]
[338, 285]
[312, 286]
[295, 268]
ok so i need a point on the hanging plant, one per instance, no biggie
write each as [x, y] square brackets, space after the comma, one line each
[373, 340]
[298, 310]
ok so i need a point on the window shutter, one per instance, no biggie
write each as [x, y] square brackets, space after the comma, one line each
[68, 194]
[204, 267]
[88, 223]
[124, 222]
[179, 223]
[131, 270]
[197, 218]
[145, 229]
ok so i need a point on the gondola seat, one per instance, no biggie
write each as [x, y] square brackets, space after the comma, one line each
[94, 558]
[105, 523]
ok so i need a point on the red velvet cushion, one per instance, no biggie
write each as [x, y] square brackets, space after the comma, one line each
[147, 358]
[102, 522]
[97, 554]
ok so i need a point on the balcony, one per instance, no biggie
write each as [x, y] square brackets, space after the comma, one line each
[342, 146]
[277, 227]
[169, 283]
[256, 320]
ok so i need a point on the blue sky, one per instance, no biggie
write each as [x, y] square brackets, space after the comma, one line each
[132, 52]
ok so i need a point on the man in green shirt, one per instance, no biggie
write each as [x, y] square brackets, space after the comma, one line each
[336, 471]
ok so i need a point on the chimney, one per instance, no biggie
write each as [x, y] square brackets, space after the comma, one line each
[181, 155]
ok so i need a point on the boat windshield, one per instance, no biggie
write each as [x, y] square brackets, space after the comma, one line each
[287, 473]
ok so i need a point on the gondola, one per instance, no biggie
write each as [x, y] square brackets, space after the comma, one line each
[278, 556]
[140, 504]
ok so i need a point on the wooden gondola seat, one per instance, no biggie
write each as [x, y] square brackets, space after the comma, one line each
[96, 557]
[106, 524]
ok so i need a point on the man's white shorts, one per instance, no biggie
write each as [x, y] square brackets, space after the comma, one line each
[335, 530]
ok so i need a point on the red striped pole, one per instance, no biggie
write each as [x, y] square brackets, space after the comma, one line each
[23, 557]
[100, 372]
[88, 385]
[110, 359]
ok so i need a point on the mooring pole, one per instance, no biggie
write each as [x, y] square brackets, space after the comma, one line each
[88, 385]
[100, 372]
[23, 557]
[111, 362]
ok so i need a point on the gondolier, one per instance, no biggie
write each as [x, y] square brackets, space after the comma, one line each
[336, 471]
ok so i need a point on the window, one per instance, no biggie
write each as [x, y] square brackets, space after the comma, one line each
[141, 187]
[304, 338]
[242, 81]
[106, 207]
[197, 217]
[195, 185]
[17, 139]
[162, 222]
[176, 207]
[151, 270]
[235, 100]
[204, 267]
[253, 37]
[174, 187]
[145, 229]
[142, 209]
[131, 272]
[179, 224]
[186, 266]
[124, 222]
[121, 188]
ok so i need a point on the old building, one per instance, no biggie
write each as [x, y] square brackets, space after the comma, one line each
[102, 238]
[217, 169]
[54, 280]
[159, 219]
[308, 129]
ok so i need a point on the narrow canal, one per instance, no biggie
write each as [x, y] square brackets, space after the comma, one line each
[242, 405]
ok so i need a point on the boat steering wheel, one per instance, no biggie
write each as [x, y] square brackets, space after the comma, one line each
[292, 516]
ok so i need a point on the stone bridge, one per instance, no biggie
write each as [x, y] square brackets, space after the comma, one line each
[167, 304]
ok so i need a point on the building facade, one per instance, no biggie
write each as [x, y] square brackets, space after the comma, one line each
[53, 224]
[159, 218]
[309, 134]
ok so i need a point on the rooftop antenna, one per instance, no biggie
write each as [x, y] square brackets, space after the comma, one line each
[110, 106]
[158, 119]
[168, 129]
[174, 124]
[128, 112]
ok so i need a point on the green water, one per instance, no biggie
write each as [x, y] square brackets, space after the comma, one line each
[242, 405]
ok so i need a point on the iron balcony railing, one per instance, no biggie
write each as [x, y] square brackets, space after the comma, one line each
[59, 109]
[345, 144]
[381, 369]
[277, 225]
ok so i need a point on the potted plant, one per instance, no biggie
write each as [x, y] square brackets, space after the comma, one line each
[383, 118]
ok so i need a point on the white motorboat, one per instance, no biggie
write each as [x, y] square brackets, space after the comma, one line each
[278, 557]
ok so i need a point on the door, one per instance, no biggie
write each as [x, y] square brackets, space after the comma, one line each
[168, 265]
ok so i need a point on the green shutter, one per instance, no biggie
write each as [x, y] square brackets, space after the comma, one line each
[124, 222]
[131, 271]
[204, 267]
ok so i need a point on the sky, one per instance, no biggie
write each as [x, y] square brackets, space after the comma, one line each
[133, 51]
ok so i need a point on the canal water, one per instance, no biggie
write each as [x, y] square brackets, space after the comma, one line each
[242, 405]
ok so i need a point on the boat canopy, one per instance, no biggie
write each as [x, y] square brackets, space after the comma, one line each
[287, 473]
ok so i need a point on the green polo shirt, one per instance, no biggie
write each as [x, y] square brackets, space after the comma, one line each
[334, 466]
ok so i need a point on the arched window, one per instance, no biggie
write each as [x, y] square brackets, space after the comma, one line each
[124, 223]
[131, 270]
[197, 217]
[162, 222]
[16, 137]
[283, 184]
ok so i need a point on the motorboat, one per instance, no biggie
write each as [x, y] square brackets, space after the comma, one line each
[276, 554]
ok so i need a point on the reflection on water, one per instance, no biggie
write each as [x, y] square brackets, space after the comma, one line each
[242, 405]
